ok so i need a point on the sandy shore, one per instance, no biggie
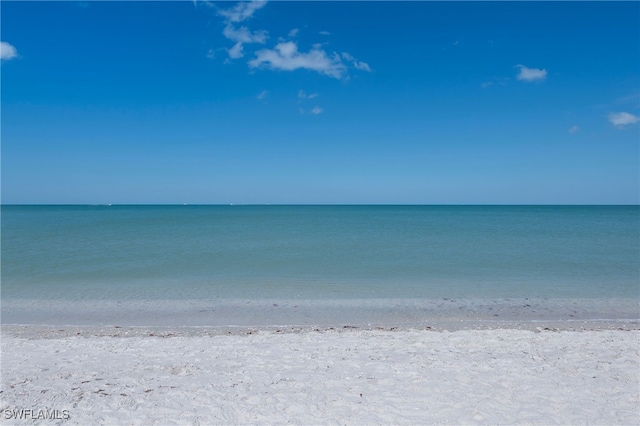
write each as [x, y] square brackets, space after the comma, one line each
[502, 376]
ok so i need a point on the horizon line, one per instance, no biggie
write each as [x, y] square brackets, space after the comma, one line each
[314, 204]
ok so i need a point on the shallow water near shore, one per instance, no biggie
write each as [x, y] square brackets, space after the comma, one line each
[318, 265]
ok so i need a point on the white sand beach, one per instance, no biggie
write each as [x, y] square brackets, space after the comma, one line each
[501, 376]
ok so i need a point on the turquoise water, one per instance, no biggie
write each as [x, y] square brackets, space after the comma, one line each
[56, 255]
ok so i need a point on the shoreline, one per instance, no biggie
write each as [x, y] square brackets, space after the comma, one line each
[443, 313]
[49, 331]
[348, 361]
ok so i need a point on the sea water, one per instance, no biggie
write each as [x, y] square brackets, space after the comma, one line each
[257, 265]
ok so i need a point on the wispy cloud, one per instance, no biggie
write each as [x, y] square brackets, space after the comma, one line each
[204, 2]
[242, 36]
[622, 119]
[303, 97]
[530, 74]
[324, 33]
[631, 100]
[363, 66]
[502, 81]
[237, 51]
[7, 51]
[242, 11]
[285, 56]
[302, 94]
[262, 95]
[574, 129]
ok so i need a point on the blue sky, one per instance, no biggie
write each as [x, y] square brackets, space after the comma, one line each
[320, 102]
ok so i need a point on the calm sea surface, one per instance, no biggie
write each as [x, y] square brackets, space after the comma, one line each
[244, 255]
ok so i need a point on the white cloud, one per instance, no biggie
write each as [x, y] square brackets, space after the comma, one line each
[574, 129]
[622, 119]
[530, 74]
[285, 56]
[363, 66]
[348, 56]
[324, 33]
[302, 94]
[262, 95]
[210, 54]
[502, 81]
[316, 110]
[237, 51]
[7, 51]
[242, 11]
[205, 2]
[241, 36]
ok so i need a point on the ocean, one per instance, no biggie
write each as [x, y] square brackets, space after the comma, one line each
[246, 265]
